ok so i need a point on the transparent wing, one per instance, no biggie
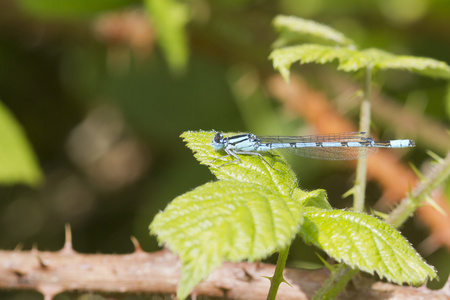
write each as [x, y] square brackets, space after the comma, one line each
[333, 153]
[333, 137]
[326, 153]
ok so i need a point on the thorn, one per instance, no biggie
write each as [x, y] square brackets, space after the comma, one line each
[49, 291]
[436, 206]
[349, 192]
[284, 280]
[194, 296]
[417, 172]
[379, 214]
[436, 157]
[137, 246]
[19, 247]
[247, 275]
[224, 291]
[67, 248]
[42, 264]
[329, 267]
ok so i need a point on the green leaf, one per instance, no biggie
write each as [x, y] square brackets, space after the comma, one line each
[17, 161]
[365, 242]
[70, 8]
[169, 18]
[225, 220]
[349, 60]
[295, 29]
[250, 169]
[420, 65]
[250, 213]
[316, 198]
[324, 45]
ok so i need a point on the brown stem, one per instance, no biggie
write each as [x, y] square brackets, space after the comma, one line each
[158, 273]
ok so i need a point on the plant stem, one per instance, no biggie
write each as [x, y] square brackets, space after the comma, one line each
[408, 205]
[335, 283]
[339, 278]
[278, 275]
[364, 126]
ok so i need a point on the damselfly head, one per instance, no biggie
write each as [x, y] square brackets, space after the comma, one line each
[217, 142]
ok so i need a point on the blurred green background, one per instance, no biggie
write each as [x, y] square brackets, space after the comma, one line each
[103, 89]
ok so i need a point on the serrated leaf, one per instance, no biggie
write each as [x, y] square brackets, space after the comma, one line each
[349, 60]
[365, 242]
[169, 18]
[294, 29]
[383, 60]
[250, 169]
[17, 161]
[420, 65]
[225, 220]
[251, 212]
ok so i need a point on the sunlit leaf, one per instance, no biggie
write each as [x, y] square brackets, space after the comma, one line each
[169, 18]
[225, 220]
[254, 210]
[250, 169]
[317, 198]
[365, 242]
[250, 213]
[423, 66]
[17, 161]
[294, 29]
[351, 60]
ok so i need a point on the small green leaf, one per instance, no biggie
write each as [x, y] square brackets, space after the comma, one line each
[17, 160]
[225, 220]
[169, 18]
[316, 198]
[420, 65]
[365, 242]
[329, 45]
[383, 60]
[251, 168]
[294, 29]
[349, 60]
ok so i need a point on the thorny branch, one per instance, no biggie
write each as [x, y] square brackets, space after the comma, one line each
[158, 273]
